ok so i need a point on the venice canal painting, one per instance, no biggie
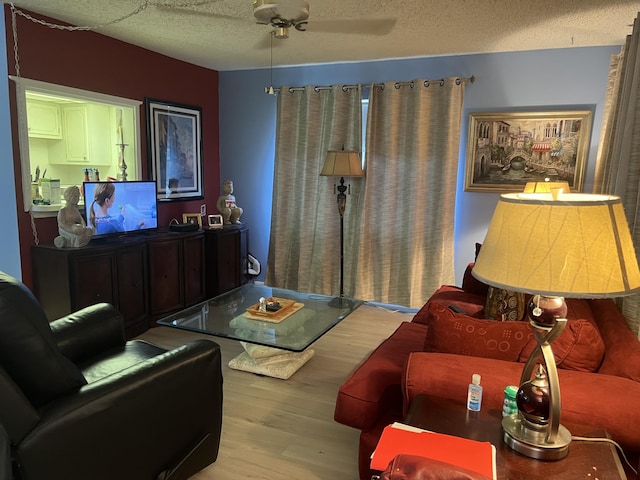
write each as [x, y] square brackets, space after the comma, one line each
[507, 150]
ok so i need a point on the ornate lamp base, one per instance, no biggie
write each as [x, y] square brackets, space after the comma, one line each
[533, 443]
[535, 430]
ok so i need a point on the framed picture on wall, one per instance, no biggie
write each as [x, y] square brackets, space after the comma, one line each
[506, 150]
[174, 144]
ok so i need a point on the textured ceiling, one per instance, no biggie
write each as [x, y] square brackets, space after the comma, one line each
[223, 34]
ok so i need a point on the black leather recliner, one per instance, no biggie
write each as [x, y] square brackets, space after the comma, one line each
[77, 401]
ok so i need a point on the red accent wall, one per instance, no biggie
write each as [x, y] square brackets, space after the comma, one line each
[95, 62]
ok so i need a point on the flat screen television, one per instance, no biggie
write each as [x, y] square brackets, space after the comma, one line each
[120, 208]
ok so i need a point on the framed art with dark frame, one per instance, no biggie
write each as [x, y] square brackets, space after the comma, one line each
[506, 150]
[174, 143]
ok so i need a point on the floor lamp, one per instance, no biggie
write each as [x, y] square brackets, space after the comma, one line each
[573, 245]
[342, 163]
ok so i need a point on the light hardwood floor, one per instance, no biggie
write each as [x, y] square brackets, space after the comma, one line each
[284, 429]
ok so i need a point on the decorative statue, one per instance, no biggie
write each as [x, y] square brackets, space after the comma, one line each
[73, 231]
[227, 205]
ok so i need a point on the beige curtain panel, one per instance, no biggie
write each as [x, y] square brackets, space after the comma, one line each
[618, 163]
[405, 242]
[304, 249]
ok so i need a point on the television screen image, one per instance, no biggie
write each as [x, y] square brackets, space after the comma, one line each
[114, 208]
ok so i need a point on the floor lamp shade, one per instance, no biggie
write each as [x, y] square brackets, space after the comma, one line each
[576, 246]
[342, 163]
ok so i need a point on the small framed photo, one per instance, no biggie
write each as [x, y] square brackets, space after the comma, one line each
[215, 221]
[193, 218]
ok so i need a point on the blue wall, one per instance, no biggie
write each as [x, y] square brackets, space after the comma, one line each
[10, 247]
[563, 78]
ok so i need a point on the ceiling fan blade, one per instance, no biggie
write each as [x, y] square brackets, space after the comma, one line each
[381, 26]
[200, 13]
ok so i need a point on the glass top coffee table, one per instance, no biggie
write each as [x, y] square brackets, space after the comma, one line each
[276, 342]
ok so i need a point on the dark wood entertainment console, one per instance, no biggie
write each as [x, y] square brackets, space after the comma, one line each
[146, 277]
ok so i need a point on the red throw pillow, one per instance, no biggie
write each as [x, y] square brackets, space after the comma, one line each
[580, 309]
[451, 332]
[622, 346]
[579, 347]
[471, 284]
[448, 295]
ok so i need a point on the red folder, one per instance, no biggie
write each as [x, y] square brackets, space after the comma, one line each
[473, 455]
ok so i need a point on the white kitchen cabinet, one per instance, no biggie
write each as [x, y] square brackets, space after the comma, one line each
[43, 120]
[87, 136]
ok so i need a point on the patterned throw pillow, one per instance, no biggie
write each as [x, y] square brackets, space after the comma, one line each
[501, 304]
[451, 332]
[579, 347]
[504, 305]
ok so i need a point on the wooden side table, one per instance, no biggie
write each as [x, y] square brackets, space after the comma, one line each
[588, 460]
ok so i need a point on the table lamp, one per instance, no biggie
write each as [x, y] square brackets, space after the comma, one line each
[342, 163]
[577, 245]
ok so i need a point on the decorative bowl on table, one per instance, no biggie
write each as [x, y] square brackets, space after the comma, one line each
[273, 306]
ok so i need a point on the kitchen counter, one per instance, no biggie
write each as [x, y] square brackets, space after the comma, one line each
[44, 211]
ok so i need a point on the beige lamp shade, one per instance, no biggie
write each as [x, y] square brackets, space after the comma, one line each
[546, 187]
[342, 163]
[577, 246]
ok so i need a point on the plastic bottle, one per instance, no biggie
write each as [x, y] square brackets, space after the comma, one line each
[509, 404]
[86, 179]
[474, 395]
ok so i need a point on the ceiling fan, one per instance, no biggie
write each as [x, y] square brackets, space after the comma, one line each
[283, 15]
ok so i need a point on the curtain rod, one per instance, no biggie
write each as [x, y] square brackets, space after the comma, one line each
[411, 84]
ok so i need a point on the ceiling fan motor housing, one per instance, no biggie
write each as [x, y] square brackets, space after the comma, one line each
[292, 11]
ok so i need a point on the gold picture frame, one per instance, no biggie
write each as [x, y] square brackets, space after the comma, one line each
[194, 218]
[506, 150]
[215, 221]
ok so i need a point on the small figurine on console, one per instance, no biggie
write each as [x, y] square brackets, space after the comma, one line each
[71, 227]
[226, 205]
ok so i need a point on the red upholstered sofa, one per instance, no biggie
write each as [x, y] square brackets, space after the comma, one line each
[437, 352]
